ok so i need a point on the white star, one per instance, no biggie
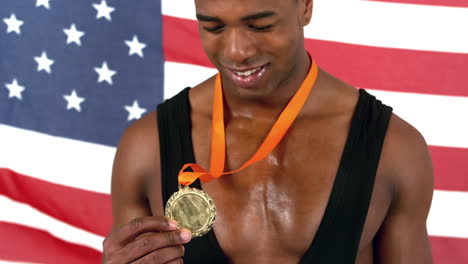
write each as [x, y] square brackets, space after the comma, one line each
[103, 10]
[43, 63]
[74, 101]
[105, 74]
[44, 3]
[73, 35]
[13, 24]
[134, 111]
[15, 89]
[135, 46]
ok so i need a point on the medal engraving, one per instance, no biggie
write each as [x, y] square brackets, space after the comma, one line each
[193, 209]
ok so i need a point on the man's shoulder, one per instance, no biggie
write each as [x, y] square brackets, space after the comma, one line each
[405, 156]
[139, 144]
[404, 139]
[142, 129]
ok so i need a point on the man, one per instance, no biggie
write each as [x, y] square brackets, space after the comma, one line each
[328, 192]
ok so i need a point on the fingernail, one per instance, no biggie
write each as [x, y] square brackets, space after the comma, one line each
[185, 235]
[173, 223]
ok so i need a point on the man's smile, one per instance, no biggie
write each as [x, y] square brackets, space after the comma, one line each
[247, 77]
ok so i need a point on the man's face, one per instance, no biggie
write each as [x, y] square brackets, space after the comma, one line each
[255, 44]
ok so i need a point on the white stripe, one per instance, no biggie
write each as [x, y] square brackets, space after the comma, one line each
[449, 215]
[392, 25]
[193, 75]
[172, 8]
[438, 118]
[59, 160]
[22, 214]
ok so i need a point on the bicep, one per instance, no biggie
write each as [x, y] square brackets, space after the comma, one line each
[403, 237]
[135, 161]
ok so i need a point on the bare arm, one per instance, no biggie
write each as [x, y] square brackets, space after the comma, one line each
[137, 235]
[403, 237]
[136, 160]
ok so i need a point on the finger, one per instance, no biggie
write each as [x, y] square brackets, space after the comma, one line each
[145, 235]
[140, 247]
[136, 227]
[176, 261]
[162, 255]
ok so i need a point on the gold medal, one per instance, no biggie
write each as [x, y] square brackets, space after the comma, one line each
[193, 209]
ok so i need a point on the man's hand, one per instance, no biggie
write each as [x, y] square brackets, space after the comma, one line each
[150, 239]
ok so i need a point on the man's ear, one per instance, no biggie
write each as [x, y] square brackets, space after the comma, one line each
[306, 7]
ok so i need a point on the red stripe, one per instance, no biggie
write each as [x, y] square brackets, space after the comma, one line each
[449, 250]
[83, 209]
[452, 3]
[25, 244]
[450, 168]
[361, 66]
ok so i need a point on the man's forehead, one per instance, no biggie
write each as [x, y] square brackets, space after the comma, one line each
[240, 7]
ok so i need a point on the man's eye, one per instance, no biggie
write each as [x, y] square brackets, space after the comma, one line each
[261, 28]
[213, 29]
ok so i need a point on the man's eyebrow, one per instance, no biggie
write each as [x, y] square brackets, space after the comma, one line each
[259, 15]
[205, 18]
[255, 16]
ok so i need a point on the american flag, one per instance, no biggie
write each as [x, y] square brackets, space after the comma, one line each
[74, 74]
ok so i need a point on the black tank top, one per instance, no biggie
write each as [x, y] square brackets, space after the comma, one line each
[339, 233]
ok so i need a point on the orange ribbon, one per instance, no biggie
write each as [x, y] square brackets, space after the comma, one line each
[218, 139]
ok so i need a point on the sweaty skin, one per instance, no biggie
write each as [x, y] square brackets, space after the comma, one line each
[270, 212]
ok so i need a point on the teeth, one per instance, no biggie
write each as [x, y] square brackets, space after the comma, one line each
[248, 73]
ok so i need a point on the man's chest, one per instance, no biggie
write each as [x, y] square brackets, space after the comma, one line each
[273, 209]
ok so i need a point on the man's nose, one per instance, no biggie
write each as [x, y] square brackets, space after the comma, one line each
[239, 46]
